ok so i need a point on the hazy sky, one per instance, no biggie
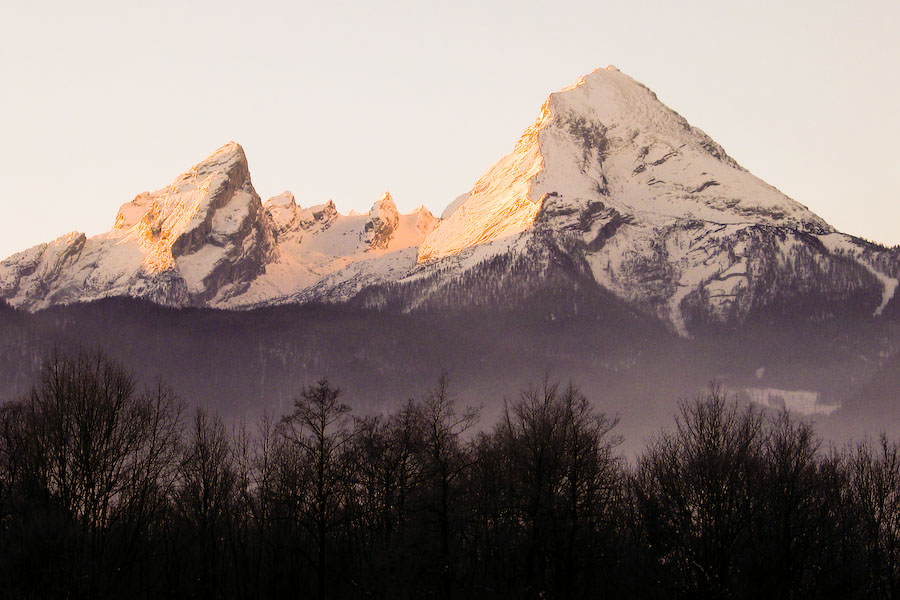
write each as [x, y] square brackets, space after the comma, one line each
[102, 100]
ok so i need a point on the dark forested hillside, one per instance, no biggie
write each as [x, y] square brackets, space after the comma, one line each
[239, 364]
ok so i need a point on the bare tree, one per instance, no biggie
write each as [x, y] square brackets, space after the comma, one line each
[696, 493]
[100, 457]
[795, 511]
[443, 458]
[319, 432]
[875, 486]
[205, 497]
[561, 480]
[253, 458]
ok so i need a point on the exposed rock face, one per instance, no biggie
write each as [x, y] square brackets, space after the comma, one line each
[29, 275]
[607, 188]
[660, 214]
[425, 221]
[284, 212]
[323, 255]
[202, 238]
[318, 217]
[383, 221]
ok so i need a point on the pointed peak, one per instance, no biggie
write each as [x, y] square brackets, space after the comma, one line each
[228, 160]
[593, 76]
[223, 159]
[229, 148]
[230, 151]
[425, 219]
[384, 204]
[604, 77]
[387, 200]
[383, 221]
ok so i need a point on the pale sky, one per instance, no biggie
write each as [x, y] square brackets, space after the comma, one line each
[100, 101]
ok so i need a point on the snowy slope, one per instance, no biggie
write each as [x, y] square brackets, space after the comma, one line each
[661, 214]
[323, 253]
[202, 236]
[207, 240]
[608, 182]
[608, 137]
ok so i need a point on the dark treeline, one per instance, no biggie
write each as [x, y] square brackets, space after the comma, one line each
[107, 491]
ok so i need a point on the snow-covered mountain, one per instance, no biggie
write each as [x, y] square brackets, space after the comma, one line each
[208, 240]
[655, 211]
[608, 188]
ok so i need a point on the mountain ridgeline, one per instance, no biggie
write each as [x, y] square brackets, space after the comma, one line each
[616, 243]
[608, 184]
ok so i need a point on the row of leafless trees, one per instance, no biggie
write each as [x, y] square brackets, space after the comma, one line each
[108, 491]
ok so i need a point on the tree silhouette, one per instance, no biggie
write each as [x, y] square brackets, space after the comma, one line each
[443, 458]
[319, 432]
[697, 494]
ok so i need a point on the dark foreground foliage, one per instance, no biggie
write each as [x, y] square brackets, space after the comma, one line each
[107, 491]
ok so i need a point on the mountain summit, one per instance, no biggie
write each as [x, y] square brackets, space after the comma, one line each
[609, 136]
[608, 188]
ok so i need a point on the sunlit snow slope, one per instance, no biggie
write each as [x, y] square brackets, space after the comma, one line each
[207, 240]
[660, 213]
[608, 183]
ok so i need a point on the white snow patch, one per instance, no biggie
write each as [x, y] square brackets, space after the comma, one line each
[195, 267]
[330, 253]
[228, 219]
[803, 402]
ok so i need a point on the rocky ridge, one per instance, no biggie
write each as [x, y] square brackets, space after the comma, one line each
[608, 185]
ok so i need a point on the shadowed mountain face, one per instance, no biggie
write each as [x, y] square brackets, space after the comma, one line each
[616, 245]
[242, 363]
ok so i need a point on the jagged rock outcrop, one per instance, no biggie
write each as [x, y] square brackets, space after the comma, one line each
[608, 183]
[284, 212]
[383, 221]
[199, 240]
